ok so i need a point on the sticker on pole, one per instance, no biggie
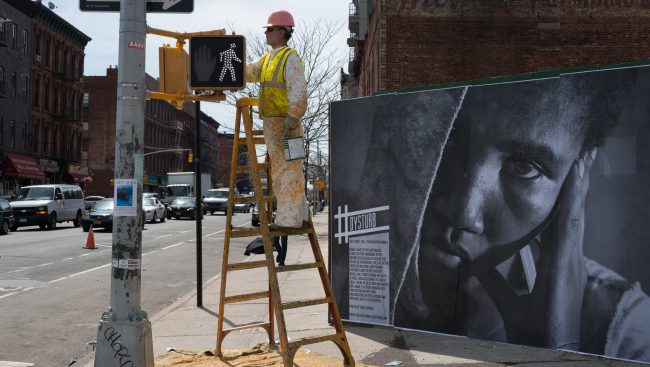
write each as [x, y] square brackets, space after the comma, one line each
[125, 200]
[217, 62]
[294, 148]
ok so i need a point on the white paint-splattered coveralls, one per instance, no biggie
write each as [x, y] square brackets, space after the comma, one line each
[287, 176]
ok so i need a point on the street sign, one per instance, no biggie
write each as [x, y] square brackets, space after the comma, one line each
[153, 6]
[217, 62]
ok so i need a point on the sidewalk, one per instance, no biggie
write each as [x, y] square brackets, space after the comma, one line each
[184, 326]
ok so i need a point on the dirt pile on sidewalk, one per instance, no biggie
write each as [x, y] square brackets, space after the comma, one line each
[260, 355]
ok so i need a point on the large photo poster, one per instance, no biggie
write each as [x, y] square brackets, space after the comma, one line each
[512, 212]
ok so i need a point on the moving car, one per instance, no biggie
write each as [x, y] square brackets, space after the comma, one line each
[216, 200]
[153, 209]
[89, 201]
[6, 217]
[242, 207]
[184, 206]
[101, 216]
[47, 205]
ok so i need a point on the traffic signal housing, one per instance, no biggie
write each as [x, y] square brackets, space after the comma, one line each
[173, 70]
[217, 62]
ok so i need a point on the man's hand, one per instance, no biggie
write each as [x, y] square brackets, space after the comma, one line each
[204, 64]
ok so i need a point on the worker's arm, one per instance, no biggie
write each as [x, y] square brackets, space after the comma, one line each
[294, 74]
[254, 70]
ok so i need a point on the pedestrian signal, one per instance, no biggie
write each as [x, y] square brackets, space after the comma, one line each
[190, 158]
[217, 62]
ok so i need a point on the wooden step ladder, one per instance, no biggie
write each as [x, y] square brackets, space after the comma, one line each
[264, 203]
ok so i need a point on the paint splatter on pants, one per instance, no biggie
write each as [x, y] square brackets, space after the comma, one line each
[288, 180]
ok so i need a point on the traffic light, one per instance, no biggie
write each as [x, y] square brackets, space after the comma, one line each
[173, 70]
[190, 158]
[217, 62]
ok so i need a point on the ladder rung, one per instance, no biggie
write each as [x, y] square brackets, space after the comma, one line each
[255, 141]
[313, 339]
[246, 265]
[305, 303]
[245, 232]
[246, 169]
[291, 231]
[247, 326]
[295, 267]
[258, 132]
[246, 297]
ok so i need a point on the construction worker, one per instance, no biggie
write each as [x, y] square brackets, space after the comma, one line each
[283, 101]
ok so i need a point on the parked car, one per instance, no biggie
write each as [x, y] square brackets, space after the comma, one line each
[151, 195]
[101, 216]
[242, 207]
[6, 217]
[216, 200]
[153, 209]
[89, 201]
[184, 206]
[47, 205]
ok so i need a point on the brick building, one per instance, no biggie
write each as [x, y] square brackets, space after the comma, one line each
[165, 128]
[40, 75]
[410, 43]
[224, 160]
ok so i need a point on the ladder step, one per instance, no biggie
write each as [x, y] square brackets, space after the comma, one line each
[246, 265]
[258, 132]
[314, 339]
[245, 232]
[253, 199]
[305, 303]
[259, 141]
[292, 231]
[246, 169]
[294, 267]
[247, 326]
[246, 297]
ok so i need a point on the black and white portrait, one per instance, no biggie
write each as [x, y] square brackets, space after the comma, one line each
[516, 211]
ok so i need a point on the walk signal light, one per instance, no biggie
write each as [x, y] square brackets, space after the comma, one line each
[217, 62]
[173, 70]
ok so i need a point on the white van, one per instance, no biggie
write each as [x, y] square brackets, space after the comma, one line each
[47, 205]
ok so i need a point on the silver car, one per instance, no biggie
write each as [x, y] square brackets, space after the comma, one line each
[153, 209]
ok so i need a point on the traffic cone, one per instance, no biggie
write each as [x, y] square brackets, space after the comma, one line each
[90, 242]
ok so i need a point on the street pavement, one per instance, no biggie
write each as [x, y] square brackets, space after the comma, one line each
[53, 291]
[185, 326]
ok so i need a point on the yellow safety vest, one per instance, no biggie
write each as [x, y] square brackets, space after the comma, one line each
[274, 101]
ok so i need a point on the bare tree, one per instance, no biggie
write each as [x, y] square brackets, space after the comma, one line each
[323, 61]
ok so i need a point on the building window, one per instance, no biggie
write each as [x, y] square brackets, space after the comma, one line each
[13, 85]
[47, 52]
[25, 42]
[36, 138]
[37, 93]
[14, 36]
[25, 87]
[46, 103]
[2, 130]
[46, 138]
[37, 48]
[55, 104]
[2, 79]
[65, 62]
[2, 32]
[23, 135]
[56, 65]
[12, 133]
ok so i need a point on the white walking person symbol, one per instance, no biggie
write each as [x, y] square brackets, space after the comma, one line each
[227, 57]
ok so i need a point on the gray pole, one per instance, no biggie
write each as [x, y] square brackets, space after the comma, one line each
[124, 334]
[199, 211]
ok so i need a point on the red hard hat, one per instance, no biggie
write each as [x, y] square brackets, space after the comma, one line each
[280, 18]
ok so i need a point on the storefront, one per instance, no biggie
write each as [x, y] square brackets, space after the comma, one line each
[77, 174]
[51, 170]
[17, 171]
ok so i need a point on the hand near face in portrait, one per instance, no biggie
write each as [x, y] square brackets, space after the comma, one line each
[550, 315]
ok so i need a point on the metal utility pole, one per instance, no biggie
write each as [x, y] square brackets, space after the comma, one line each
[124, 334]
[199, 209]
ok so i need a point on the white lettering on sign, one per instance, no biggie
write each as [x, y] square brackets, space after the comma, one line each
[136, 45]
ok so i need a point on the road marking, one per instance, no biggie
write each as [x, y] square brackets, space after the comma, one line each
[174, 245]
[159, 237]
[77, 274]
[15, 364]
[150, 252]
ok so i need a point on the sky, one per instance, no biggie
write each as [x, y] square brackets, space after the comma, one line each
[239, 16]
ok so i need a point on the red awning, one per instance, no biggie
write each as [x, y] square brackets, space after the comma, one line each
[21, 166]
[77, 177]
